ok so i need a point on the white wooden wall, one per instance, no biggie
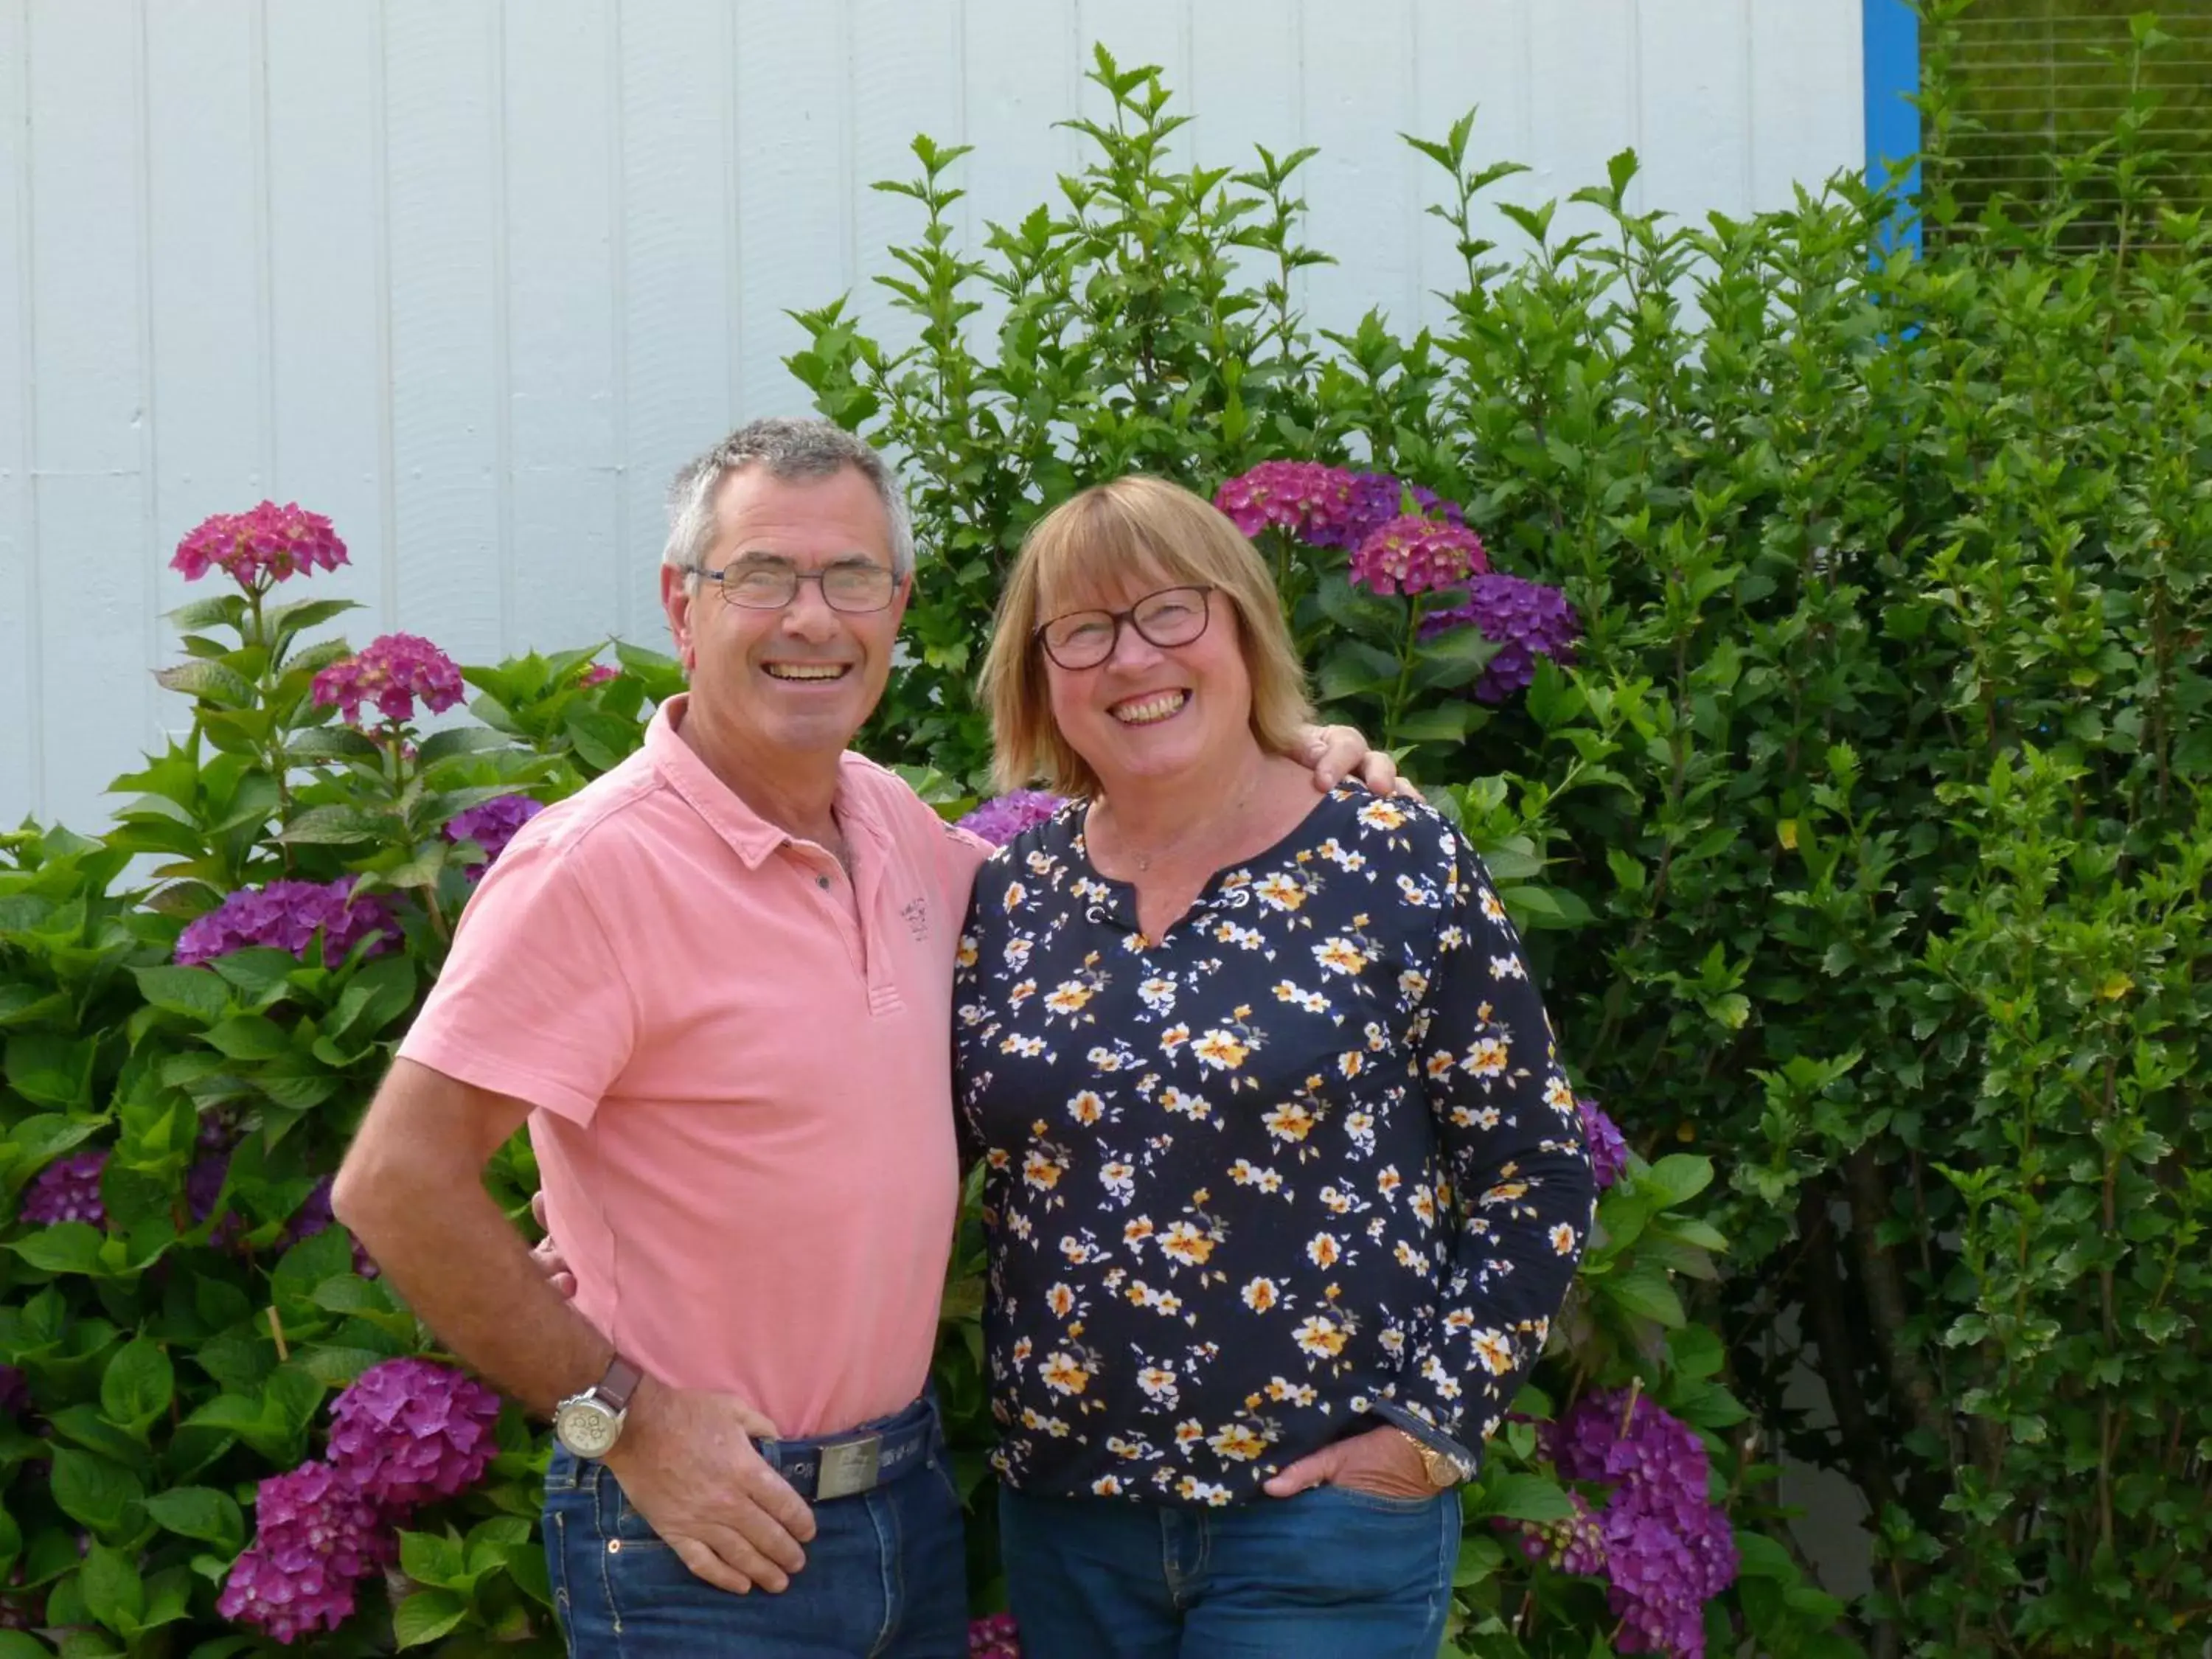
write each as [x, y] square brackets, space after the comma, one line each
[473, 278]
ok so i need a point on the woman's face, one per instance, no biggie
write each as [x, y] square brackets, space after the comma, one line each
[1151, 712]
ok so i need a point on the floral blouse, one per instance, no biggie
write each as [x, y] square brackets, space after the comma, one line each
[1309, 1158]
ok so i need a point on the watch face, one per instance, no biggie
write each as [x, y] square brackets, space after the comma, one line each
[586, 1428]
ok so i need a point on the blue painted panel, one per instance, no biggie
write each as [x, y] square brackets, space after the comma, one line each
[1893, 79]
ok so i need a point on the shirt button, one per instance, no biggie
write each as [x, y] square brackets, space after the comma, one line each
[822, 881]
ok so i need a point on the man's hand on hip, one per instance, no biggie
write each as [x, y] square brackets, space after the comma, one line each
[687, 1463]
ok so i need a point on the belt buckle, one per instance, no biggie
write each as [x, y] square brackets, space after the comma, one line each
[849, 1466]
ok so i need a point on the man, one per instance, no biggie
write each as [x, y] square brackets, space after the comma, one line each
[717, 985]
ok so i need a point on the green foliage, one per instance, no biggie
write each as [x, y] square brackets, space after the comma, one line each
[1864, 839]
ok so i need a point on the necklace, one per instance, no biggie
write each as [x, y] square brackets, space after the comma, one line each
[1196, 833]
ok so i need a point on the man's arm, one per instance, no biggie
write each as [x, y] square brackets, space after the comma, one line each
[412, 1190]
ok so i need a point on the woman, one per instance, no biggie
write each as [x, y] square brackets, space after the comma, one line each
[1284, 1182]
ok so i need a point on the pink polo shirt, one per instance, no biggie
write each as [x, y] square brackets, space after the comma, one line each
[743, 1097]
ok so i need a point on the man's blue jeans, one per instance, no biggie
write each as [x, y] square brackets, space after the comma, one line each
[1330, 1574]
[886, 1578]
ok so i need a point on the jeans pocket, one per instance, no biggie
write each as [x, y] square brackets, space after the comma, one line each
[1381, 1503]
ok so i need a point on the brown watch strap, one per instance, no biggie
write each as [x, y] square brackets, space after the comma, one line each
[619, 1383]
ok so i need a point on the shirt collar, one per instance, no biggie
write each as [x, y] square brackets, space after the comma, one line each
[751, 837]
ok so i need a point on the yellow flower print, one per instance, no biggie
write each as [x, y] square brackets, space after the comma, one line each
[1559, 1096]
[1194, 1490]
[1563, 1240]
[1324, 1250]
[1118, 1178]
[1158, 1383]
[1237, 1443]
[1015, 894]
[1021, 1352]
[1350, 1063]
[1016, 956]
[1487, 1058]
[1476, 1117]
[1286, 992]
[1382, 815]
[1507, 968]
[1158, 994]
[1321, 1336]
[1106, 1059]
[1279, 892]
[1173, 1038]
[1189, 1432]
[966, 954]
[1193, 1107]
[1340, 955]
[1246, 1173]
[1107, 1485]
[1439, 1065]
[1335, 1202]
[1042, 1170]
[1063, 1373]
[1021, 993]
[1285, 1392]
[1261, 1294]
[1413, 985]
[1068, 998]
[1220, 1050]
[1425, 1205]
[1186, 1244]
[1491, 909]
[1291, 1121]
[1086, 1107]
[1061, 1300]
[1495, 1350]
[1027, 1047]
[1136, 1231]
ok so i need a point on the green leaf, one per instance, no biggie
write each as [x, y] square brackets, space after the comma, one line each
[1677, 1178]
[92, 1491]
[430, 1558]
[461, 740]
[66, 1247]
[200, 1512]
[427, 1615]
[138, 1384]
[205, 678]
[1643, 1290]
[197, 992]
[248, 1036]
[1526, 1498]
[113, 1592]
[337, 826]
[50, 1070]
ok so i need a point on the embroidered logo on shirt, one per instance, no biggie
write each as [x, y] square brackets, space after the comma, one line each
[916, 911]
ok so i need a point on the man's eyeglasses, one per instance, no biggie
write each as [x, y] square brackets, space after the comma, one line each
[770, 585]
[1083, 639]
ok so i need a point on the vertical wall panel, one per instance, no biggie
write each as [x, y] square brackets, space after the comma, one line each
[88, 360]
[443, 108]
[21, 640]
[1808, 117]
[1246, 78]
[906, 69]
[329, 391]
[679, 289]
[1470, 58]
[1360, 187]
[1695, 70]
[1138, 32]
[1017, 67]
[208, 309]
[795, 186]
[1584, 58]
[561, 75]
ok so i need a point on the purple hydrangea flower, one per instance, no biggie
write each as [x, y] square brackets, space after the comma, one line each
[408, 1431]
[285, 914]
[1377, 498]
[993, 1637]
[392, 671]
[1000, 820]
[1608, 1151]
[68, 1189]
[1668, 1548]
[1575, 1546]
[493, 824]
[1528, 619]
[316, 1534]
[1306, 498]
[1413, 554]
[269, 541]
[598, 673]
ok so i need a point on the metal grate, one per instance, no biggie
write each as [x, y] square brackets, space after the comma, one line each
[2041, 79]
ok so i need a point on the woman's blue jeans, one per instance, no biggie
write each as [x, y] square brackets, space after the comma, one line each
[1330, 1574]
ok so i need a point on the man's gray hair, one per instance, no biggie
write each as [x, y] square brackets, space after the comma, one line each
[789, 448]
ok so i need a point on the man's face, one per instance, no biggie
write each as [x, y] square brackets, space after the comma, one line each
[801, 678]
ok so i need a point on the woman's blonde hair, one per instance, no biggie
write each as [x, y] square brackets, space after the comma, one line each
[1082, 547]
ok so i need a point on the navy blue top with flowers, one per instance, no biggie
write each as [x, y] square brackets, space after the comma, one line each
[1306, 1162]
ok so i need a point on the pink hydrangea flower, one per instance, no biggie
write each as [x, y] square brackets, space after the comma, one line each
[993, 1637]
[270, 542]
[316, 1534]
[1310, 500]
[408, 1431]
[598, 673]
[1608, 1151]
[68, 1189]
[1411, 554]
[285, 915]
[392, 673]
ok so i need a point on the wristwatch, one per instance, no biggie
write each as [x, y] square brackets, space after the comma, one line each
[1444, 1471]
[588, 1424]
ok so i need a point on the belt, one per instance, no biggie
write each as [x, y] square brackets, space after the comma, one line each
[860, 1460]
